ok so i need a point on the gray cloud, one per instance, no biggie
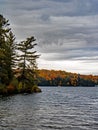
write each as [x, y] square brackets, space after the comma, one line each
[64, 29]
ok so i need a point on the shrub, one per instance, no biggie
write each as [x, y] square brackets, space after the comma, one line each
[3, 89]
[19, 87]
[14, 82]
[11, 89]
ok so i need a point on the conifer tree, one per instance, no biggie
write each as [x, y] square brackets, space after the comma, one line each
[11, 54]
[27, 62]
[6, 51]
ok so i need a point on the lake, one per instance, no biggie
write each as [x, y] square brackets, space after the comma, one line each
[56, 108]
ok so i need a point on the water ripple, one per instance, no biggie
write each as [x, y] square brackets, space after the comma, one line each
[53, 109]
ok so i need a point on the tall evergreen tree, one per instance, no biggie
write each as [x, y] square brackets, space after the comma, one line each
[6, 51]
[11, 54]
[27, 62]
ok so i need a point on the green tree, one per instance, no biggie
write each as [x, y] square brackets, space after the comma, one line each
[4, 30]
[11, 55]
[7, 51]
[27, 63]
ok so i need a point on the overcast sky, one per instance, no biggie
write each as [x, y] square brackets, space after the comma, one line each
[66, 31]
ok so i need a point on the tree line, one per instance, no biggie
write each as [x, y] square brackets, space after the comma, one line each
[14, 56]
[63, 78]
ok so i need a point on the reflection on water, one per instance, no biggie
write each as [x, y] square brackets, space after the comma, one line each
[57, 108]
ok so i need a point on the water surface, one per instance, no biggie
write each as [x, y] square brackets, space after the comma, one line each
[56, 108]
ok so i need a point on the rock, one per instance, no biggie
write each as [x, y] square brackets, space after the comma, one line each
[36, 89]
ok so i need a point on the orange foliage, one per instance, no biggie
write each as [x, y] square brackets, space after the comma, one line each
[51, 74]
[72, 79]
[10, 88]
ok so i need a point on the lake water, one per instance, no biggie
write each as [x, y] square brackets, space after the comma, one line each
[56, 108]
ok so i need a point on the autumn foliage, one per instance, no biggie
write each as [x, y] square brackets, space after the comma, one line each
[63, 78]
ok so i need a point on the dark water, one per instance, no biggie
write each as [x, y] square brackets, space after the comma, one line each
[58, 108]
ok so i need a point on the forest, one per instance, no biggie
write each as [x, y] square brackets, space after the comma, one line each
[15, 56]
[63, 78]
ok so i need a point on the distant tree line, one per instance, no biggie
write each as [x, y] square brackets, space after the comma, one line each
[63, 78]
[14, 56]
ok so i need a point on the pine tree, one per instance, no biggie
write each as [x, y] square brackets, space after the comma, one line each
[11, 54]
[6, 51]
[27, 62]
